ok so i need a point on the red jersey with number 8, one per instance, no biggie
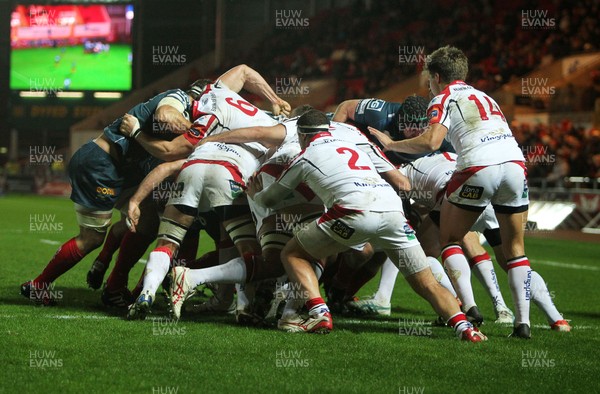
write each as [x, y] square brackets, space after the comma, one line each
[477, 128]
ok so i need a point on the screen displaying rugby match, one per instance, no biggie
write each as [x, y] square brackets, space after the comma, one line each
[71, 47]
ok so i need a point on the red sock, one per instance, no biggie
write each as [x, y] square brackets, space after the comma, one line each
[361, 277]
[207, 260]
[458, 322]
[64, 259]
[478, 259]
[111, 244]
[188, 249]
[133, 247]
[137, 290]
[316, 306]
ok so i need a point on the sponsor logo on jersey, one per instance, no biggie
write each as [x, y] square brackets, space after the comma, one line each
[434, 113]
[342, 229]
[375, 105]
[409, 231]
[471, 192]
[236, 189]
[106, 191]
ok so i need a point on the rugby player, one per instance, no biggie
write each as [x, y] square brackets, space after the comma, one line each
[490, 169]
[362, 208]
[100, 171]
[214, 175]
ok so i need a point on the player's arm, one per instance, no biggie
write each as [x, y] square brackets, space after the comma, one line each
[287, 181]
[429, 141]
[178, 148]
[243, 77]
[269, 136]
[268, 197]
[157, 175]
[345, 111]
[170, 112]
[398, 181]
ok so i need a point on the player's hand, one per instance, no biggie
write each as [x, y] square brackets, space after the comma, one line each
[383, 138]
[255, 185]
[133, 216]
[282, 107]
[129, 124]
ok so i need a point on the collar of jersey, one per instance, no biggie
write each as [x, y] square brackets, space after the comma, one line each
[319, 135]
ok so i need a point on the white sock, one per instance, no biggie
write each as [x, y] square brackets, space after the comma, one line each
[542, 298]
[232, 272]
[458, 269]
[519, 280]
[389, 273]
[440, 275]
[243, 298]
[156, 270]
[483, 268]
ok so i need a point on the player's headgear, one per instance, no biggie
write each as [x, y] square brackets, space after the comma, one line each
[197, 87]
[313, 122]
[413, 113]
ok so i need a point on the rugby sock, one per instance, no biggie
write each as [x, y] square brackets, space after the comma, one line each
[542, 298]
[459, 323]
[232, 272]
[316, 307]
[133, 247]
[207, 260]
[156, 269]
[245, 295]
[483, 268]
[440, 275]
[519, 280]
[389, 273]
[188, 249]
[111, 244]
[457, 266]
[363, 275]
[63, 260]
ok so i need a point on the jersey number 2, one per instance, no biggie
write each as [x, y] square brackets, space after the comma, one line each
[353, 159]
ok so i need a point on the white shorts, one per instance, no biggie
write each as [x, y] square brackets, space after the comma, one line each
[207, 184]
[503, 185]
[353, 229]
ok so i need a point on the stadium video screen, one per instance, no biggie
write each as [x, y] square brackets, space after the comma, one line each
[71, 47]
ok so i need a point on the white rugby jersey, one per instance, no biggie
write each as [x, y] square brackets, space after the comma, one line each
[429, 176]
[476, 127]
[278, 162]
[218, 152]
[346, 132]
[341, 174]
[220, 109]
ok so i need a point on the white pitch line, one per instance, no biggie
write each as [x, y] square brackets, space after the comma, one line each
[567, 265]
[49, 242]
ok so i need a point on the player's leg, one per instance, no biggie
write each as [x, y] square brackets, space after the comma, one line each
[510, 205]
[101, 264]
[483, 268]
[540, 295]
[455, 222]
[172, 229]
[133, 247]
[380, 303]
[93, 225]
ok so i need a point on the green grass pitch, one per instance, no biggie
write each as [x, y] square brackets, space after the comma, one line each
[36, 69]
[79, 347]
